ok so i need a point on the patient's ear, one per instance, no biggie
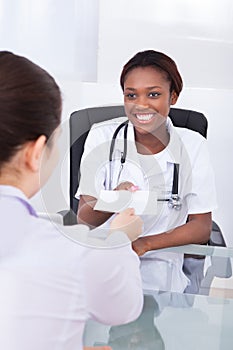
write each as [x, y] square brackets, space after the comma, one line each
[33, 153]
[173, 98]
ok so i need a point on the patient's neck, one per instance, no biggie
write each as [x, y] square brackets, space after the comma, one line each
[13, 177]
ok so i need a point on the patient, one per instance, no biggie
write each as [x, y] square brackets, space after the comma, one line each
[50, 285]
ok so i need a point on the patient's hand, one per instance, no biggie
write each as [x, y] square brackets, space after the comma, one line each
[127, 222]
[127, 186]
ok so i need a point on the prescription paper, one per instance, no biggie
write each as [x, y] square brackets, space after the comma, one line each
[144, 202]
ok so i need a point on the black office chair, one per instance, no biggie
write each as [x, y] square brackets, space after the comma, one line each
[80, 124]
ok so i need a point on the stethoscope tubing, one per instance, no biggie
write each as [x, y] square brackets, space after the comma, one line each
[174, 201]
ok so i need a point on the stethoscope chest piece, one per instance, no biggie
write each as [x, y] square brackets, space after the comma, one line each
[175, 202]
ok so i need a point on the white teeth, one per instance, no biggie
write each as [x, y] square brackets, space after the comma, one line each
[144, 116]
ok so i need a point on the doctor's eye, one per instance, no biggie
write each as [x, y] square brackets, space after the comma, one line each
[130, 96]
[154, 94]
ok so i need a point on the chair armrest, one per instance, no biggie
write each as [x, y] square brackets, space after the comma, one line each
[216, 237]
[69, 217]
[54, 217]
[221, 266]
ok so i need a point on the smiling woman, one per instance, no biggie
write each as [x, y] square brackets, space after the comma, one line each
[156, 153]
[147, 103]
[147, 106]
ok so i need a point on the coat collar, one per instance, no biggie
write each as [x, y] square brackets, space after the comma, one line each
[10, 191]
[171, 154]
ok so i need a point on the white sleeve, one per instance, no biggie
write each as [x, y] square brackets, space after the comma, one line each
[94, 163]
[113, 285]
[203, 196]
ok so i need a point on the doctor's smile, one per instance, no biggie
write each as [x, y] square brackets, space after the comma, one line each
[144, 118]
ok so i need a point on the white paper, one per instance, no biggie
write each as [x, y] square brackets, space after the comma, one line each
[144, 202]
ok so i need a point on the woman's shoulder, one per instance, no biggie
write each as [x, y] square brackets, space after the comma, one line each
[103, 131]
[190, 137]
[108, 125]
[192, 141]
[52, 235]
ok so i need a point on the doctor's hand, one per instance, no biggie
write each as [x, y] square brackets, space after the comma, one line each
[127, 186]
[141, 246]
[127, 222]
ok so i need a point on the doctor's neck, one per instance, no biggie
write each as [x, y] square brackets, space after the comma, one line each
[151, 142]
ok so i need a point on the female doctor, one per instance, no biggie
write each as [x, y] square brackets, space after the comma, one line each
[50, 285]
[156, 150]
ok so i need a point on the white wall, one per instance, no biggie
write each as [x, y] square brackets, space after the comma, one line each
[85, 44]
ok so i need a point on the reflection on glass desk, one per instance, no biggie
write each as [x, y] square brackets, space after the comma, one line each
[176, 321]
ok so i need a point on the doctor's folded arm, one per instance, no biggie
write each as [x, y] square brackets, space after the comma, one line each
[50, 283]
[143, 151]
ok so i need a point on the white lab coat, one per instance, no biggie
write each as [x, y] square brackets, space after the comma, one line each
[160, 270]
[51, 285]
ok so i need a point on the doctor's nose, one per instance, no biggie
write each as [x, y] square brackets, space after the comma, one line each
[142, 103]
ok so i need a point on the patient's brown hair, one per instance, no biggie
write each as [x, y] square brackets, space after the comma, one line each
[30, 103]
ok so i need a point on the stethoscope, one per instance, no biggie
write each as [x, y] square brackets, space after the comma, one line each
[175, 201]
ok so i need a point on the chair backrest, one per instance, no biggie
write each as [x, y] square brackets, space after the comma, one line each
[82, 120]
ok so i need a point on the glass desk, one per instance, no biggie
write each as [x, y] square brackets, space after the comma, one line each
[177, 321]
